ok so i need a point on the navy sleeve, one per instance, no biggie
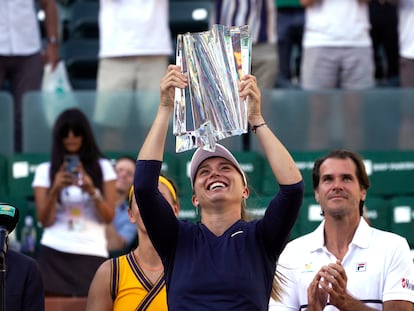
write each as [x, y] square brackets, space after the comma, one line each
[156, 212]
[280, 216]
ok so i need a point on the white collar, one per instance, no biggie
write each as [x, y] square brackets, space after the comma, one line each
[361, 237]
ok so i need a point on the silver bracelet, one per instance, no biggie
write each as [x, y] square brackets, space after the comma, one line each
[97, 196]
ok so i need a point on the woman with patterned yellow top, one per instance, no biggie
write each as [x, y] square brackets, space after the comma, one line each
[134, 281]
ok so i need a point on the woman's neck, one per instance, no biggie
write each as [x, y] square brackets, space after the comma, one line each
[219, 221]
[147, 256]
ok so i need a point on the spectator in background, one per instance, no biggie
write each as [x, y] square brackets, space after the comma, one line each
[121, 233]
[21, 59]
[345, 264]
[337, 53]
[260, 16]
[74, 200]
[384, 33]
[406, 39]
[336, 45]
[135, 45]
[290, 24]
[136, 280]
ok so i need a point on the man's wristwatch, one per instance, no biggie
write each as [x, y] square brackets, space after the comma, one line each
[52, 40]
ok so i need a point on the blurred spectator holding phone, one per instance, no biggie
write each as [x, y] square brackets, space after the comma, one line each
[75, 198]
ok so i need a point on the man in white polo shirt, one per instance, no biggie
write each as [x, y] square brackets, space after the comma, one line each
[345, 264]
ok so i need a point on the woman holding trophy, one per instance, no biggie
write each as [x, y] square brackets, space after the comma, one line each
[223, 262]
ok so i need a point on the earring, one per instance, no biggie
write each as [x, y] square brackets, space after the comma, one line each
[197, 209]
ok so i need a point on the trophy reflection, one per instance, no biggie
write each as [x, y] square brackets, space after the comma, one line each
[214, 61]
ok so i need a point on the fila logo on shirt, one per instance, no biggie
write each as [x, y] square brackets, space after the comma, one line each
[408, 284]
[361, 267]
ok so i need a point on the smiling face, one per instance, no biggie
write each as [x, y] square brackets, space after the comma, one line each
[339, 192]
[217, 181]
[124, 169]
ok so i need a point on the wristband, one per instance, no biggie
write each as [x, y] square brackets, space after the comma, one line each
[255, 127]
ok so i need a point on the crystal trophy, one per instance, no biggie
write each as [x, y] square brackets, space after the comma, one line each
[210, 108]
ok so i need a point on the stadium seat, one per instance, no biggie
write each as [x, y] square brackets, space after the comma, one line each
[257, 205]
[183, 175]
[6, 123]
[81, 58]
[378, 212]
[190, 16]
[309, 216]
[170, 167]
[304, 160]
[21, 170]
[187, 209]
[252, 164]
[3, 178]
[269, 183]
[402, 222]
[391, 172]
[83, 20]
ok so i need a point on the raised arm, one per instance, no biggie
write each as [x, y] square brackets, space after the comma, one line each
[280, 160]
[156, 213]
[153, 147]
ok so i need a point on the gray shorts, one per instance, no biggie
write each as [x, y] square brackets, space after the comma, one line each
[118, 80]
[406, 72]
[332, 67]
[265, 64]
